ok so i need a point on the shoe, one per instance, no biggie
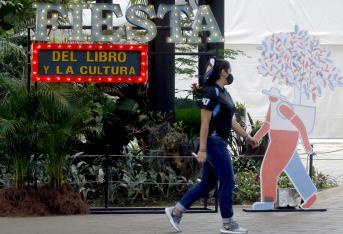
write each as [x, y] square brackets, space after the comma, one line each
[173, 219]
[232, 227]
[263, 206]
[309, 202]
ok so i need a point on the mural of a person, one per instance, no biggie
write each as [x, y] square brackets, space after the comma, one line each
[294, 59]
[284, 127]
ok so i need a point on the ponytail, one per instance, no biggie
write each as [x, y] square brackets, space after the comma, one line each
[213, 69]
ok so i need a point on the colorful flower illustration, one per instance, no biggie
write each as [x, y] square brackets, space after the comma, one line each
[297, 60]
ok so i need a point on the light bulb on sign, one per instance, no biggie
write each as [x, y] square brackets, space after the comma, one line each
[133, 17]
[175, 19]
[97, 33]
[205, 14]
[204, 21]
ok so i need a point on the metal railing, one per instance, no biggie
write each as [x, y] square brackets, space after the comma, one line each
[107, 209]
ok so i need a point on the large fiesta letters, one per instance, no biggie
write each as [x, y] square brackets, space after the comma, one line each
[175, 20]
[133, 18]
[98, 21]
[48, 17]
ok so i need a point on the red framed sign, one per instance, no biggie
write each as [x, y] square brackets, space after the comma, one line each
[89, 63]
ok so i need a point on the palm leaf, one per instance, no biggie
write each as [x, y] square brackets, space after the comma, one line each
[23, 25]
[60, 99]
[95, 131]
[7, 46]
[7, 128]
[11, 88]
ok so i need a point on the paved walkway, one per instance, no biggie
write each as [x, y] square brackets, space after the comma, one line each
[294, 222]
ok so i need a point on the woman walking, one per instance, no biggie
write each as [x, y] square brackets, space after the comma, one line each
[217, 113]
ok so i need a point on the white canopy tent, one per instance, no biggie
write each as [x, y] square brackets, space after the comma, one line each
[248, 22]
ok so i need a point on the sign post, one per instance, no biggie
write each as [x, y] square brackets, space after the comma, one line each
[162, 66]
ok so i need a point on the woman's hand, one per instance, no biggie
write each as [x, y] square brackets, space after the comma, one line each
[201, 157]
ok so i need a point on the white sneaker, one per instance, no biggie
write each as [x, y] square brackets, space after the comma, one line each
[232, 227]
[173, 219]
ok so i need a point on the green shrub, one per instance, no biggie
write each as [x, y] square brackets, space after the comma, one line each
[247, 188]
[323, 181]
[190, 117]
[284, 182]
[185, 103]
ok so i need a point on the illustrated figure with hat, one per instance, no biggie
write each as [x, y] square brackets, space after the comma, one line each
[294, 59]
[284, 127]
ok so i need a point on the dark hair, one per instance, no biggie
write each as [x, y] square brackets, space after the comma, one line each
[219, 65]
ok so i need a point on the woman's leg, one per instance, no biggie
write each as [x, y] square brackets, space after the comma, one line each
[208, 182]
[220, 160]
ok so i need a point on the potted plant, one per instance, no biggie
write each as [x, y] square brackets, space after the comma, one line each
[287, 195]
[197, 92]
[240, 113]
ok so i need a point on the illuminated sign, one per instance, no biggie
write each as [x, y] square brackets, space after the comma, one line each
[145, 30]
[89, 63]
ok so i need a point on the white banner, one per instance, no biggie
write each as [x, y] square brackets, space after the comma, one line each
[249, 21]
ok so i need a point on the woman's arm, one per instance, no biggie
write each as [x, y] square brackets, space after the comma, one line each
[240, 131]
[204, 128]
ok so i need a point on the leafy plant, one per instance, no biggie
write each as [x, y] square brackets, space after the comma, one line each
[323, 181]
[284, 182]
[47, 121]
[134, 150]
[240, 113]
[197, 92]
[72, 119]
[36, 170]
[136, 184]
[135, 179]
[240, 107]
[236, 144]
[170, 181]
[86, 177]
[190, 117]
[247, 186]
[6, 172]
[12, 64]
[19, 127]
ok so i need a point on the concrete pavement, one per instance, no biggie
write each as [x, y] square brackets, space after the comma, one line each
[293, 222]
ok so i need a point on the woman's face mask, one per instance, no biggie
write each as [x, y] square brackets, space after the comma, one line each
[229, 79]
[228, 76]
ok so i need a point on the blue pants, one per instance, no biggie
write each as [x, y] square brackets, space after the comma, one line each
[217, 167]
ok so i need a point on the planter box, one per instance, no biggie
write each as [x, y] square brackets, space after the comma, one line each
[287, 197]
